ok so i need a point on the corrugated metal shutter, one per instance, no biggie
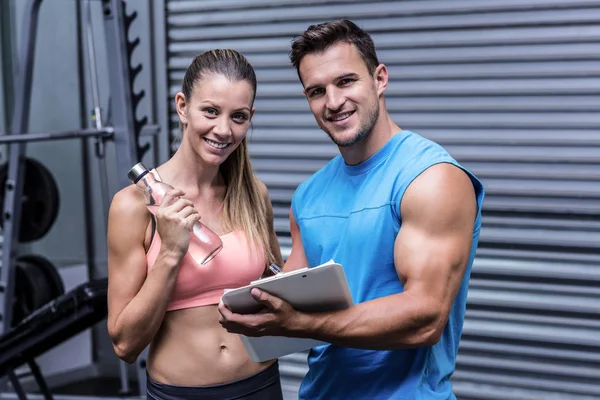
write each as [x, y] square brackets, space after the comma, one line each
[510, 88]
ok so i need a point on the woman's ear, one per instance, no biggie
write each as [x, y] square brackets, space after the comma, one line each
[252, 113]
[181, 105]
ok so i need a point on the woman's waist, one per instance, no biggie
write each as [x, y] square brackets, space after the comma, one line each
[194, 368]
[196, 331]
[192, 348]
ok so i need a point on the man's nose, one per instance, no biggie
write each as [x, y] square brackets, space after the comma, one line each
[335, 99]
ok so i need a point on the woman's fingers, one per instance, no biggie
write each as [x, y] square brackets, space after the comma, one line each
[191, 219]
[178, 210]
[170, 197]
[180, 204]
[187, 211]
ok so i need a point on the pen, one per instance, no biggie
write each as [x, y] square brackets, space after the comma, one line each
[275, 269]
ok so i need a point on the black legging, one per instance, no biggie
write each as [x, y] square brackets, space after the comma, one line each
[265, 385]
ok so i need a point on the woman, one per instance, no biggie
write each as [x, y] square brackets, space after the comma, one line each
[157, 293]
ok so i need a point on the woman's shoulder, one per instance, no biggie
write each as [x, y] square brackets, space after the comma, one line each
[261, 185]
[128, 203]
[262, 189]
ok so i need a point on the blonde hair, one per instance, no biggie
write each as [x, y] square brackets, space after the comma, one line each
[244, 205]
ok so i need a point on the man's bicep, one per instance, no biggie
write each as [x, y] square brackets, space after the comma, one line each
[433, 246]
[430, 266]
[297, 258]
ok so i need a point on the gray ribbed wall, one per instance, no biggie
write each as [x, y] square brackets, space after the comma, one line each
[511, 89]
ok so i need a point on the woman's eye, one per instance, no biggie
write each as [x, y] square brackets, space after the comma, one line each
[210, 111]
[239, 117]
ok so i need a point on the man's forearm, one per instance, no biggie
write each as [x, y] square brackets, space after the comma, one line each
[388, 323]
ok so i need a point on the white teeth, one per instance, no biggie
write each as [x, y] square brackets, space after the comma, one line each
[341, 117]
[217, 145]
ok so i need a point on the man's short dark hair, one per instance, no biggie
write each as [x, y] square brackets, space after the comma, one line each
[318, 38]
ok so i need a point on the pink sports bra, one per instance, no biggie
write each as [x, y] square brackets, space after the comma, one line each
[237, 264]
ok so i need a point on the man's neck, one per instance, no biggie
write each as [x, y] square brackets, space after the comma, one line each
[382, 132]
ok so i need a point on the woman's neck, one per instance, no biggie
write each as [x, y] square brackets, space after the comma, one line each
[187, 172]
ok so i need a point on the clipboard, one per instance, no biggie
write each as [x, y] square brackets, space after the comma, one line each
[321, 288]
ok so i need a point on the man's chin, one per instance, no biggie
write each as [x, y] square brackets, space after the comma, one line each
[345, 139]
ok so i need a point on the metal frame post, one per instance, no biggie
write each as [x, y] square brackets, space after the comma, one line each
[124, 130]
[14, 380]
[41, 382]
[121, 100]
[122, 112]
[7, 61]
[14, 183]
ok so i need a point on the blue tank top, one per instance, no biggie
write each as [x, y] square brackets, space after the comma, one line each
[351, 214]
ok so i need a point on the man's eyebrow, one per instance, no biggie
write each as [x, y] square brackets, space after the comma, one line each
[311, 87]
[344, 76]
[336, 79]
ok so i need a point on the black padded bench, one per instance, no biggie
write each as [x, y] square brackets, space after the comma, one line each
[52, 324]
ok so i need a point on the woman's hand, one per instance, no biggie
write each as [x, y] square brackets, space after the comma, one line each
[175, 218]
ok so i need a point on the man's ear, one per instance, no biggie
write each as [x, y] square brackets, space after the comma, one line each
[302, 83]
[381, 78]
[181, 105]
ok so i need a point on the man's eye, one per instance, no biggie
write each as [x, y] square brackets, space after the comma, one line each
[317, 92]
[346, 81]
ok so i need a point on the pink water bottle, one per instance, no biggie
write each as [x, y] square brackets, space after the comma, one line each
[209, 243]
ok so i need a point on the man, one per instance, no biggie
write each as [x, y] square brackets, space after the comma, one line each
[401, 216]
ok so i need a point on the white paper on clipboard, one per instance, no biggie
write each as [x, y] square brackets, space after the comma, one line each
[321, 288]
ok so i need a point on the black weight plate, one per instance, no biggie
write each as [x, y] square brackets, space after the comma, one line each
[39, 202]
[22, 303]
[54, 281]
[36, 283]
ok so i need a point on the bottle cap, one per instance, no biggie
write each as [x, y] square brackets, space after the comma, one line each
[137, 172]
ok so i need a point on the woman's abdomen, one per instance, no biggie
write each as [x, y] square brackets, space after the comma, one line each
[192, 349]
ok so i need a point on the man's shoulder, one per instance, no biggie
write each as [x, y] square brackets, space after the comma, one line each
[314, 186]
[418, 145]
[418, 154]
[322, 176]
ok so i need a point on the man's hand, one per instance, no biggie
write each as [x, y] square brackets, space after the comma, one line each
[277, 317]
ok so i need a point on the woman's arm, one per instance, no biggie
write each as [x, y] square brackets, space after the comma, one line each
[137, 300]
